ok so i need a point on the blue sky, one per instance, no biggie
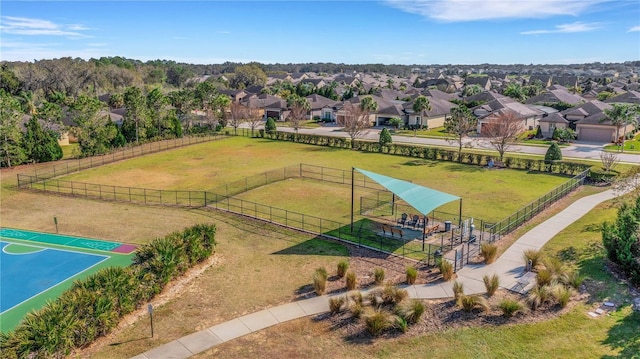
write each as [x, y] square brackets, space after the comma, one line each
[352, 32]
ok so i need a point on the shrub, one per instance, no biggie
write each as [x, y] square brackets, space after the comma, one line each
[335, 304]
[342, 268]
[532, 255]
[393, 295]
[446, 269]
[553, 153]
[412, 275]
[458, 290]
[377, 322]
[320, 281]
[411, 311]
[491, 284]
[489, 252]
[270, 126]
[510, 307]
[351, 280]
[470, 302]
[554, 266]
[378, 276]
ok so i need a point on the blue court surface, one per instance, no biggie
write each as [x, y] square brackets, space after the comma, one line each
[28, 270]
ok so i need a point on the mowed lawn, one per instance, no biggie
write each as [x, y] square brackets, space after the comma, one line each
[487, 194]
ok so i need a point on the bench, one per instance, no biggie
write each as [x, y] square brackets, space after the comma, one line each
[523, 281]
[431, 230]
[389, 231]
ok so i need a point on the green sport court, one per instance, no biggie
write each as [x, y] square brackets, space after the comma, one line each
[36, 267]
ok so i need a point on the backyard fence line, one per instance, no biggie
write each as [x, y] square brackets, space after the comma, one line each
[525, 213]
[126, 153]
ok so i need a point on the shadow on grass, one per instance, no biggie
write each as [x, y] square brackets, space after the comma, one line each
[625, 337]
[428, 163]
[316, 246]
[461, 167]
[129, 341]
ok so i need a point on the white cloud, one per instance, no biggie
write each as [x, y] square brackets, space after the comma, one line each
[566, 28]
[473, 10]
[223, 32]
[634, 29]
[27, 26]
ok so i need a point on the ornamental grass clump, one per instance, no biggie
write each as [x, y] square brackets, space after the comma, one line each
[458, 290]
[491, 284]
[393, 295]
[351, 280]
[412, 275]
[320, 280]
[510, 307]
[335, 304]
[489, 252]
[378, 321]
[538, 296]
[378, 276]
[533, 257]
[342, 268]
[411, 311]
[471, 302]
[446, 269]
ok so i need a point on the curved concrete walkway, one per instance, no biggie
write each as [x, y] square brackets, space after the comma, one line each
[509, 267]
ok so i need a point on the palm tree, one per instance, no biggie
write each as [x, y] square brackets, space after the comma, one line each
[420, 105]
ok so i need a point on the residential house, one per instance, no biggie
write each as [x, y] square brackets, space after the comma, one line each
[432, 118]
[322, 108]
[549, 123]
[632, 97]
[235, 95]
[545, 80]
[556, 96]
[591, 123]
[490, 110]
[566, 81]
[483, 81]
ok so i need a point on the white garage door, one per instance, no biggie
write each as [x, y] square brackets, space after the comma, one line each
[596, 135]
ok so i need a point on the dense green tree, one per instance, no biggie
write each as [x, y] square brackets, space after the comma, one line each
[157, 103]
[135, 120]
[605, 95]
[116, 100]
[553, 154]
[248, 75]
[92, 129]
[270, 126]
[621, 240]
[11, 150]
[9, 82]
[515, 91]
[221, 104]
[471, 90]
[460, 123]
[385, 139]
[41, 144]
[178, 74]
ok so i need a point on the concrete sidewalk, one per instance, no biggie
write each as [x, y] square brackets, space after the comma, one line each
[509, 267]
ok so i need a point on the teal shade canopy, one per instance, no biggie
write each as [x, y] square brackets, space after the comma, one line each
[423, 199]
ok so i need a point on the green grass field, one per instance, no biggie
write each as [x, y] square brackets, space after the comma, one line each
[487, 194]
